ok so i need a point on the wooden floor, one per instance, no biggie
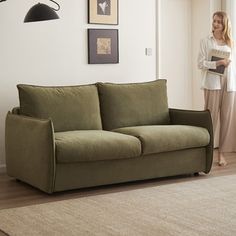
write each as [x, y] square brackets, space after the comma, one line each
[16, 194]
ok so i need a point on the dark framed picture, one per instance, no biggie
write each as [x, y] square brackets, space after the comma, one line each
[103, 46]
[103, 12]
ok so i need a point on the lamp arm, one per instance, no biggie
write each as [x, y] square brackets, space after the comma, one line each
[58, 6]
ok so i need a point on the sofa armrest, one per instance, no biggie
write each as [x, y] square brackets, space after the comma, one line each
[195, 118]
[30, 150]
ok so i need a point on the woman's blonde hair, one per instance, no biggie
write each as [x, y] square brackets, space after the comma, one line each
[227, 32]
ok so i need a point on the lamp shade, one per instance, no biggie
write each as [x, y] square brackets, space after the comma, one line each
[40, 12]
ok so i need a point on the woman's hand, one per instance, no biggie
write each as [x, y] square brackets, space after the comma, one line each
[225, 62]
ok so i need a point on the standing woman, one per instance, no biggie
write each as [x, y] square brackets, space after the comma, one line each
[219, 90]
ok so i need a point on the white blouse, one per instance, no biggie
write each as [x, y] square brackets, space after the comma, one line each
[212, 81]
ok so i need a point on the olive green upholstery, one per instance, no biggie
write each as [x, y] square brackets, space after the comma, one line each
[124, 105]
[87, 174]
[30, 150]
[69, 107]
[69, 137]
[199, 119]
[167, 138]
[95, 145]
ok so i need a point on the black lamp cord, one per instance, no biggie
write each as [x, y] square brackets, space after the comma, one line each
[58, 6]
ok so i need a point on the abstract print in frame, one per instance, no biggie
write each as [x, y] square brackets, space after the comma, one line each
[103, 46]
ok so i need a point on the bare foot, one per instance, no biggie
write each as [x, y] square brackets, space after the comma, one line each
[221, 160]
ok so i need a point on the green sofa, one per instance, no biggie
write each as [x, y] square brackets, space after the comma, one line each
[70, 137]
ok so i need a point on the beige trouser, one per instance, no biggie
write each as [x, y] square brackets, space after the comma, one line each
[222, 105]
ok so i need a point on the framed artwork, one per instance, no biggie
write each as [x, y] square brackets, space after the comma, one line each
[103, 46]
[103, 12]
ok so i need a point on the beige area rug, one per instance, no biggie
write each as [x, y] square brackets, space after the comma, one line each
[203, 206]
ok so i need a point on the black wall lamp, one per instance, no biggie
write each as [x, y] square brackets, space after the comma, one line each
[41, 12]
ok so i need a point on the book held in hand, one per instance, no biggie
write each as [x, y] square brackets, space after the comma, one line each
[217, 55]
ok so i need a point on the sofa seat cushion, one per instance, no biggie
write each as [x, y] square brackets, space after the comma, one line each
[164, 138]
[95, 145]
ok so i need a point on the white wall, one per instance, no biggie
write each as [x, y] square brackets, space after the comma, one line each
[202, 11]
[174, 48]
[181, 25]
[230, 7]
[55, 52]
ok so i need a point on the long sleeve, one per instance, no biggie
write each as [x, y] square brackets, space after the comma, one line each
[203, 62]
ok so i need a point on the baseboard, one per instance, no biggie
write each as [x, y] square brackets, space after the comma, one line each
[3, 169]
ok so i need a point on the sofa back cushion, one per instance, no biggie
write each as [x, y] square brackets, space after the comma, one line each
[124, 105]
[69, 107]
